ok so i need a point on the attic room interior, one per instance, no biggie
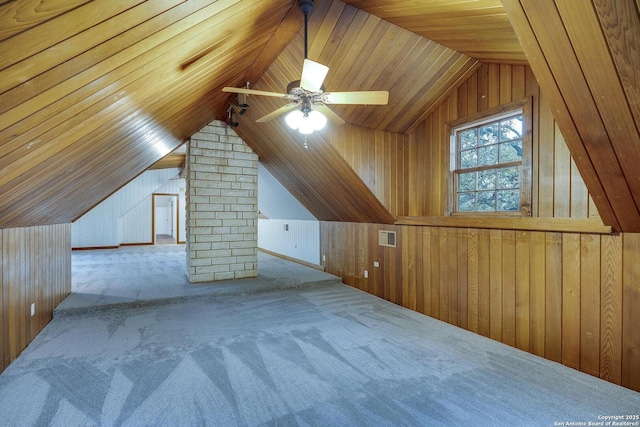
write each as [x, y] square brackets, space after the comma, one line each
[531, 240]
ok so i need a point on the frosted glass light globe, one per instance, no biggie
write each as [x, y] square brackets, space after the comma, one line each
[318, 119]
[306, 126]
[293, 119]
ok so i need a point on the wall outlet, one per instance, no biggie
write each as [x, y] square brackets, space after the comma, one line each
[324, 258]
[33, 309]
[376, 264]
[366, 274]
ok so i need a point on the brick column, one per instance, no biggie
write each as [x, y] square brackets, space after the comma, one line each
[222, 205]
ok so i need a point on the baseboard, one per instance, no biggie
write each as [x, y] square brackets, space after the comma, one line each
[93, 248]
[288, 258]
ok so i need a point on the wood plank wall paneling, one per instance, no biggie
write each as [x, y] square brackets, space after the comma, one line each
[557, 187]
[378, 158]
[35, 268]
[572, 298]
[568, 297]
[630, 314]
[598, 114]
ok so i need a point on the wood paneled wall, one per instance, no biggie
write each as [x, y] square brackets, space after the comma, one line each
[557, 187]
[571, 298]
[585, 56]
[378, 158]
[35, 268]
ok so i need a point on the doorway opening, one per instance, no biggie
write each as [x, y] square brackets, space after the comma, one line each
[164, 219]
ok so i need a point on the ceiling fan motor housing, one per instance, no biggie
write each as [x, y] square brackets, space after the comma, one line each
[306, 6]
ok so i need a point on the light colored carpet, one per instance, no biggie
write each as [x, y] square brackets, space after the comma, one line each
[328, 356]
[138, 276]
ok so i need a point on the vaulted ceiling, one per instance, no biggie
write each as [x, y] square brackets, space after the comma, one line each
[94, 92]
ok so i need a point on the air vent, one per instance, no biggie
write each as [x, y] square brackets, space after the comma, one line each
[387, 238]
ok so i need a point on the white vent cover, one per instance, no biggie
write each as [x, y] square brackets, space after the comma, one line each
[387, 238]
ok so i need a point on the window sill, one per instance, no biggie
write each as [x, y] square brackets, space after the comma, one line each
[569, 225]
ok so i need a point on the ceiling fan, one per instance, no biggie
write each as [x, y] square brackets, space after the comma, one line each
[308, 109]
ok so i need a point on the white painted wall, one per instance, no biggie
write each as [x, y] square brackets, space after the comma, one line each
[100, 226]
[135, 225]
[300, 240]
[276, 202]
[125, 217]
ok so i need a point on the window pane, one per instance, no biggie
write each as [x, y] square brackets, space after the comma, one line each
[468, 159]
[465, 202]
[511, 151]
[487, 179]
[467, 181]
[488, 134]
[509, 177]
[487, 171]
[508, 200]
[511, 128]
[468, 139]
[488, 155]
[486, 201]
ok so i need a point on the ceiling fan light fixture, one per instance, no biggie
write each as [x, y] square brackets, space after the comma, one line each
[293, 119]
[309, 91]
[306, 126]
[305, 123]
[317, 119]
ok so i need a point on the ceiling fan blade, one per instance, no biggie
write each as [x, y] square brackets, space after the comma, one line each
[361, 97]
[313, 74]
[253, 92]
[274, 114]
[329, 114]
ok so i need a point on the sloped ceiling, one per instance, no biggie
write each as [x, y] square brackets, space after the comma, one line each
[94, 92]
[364, 52]
[477, 28]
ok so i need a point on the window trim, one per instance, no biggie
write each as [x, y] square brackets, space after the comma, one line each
[489, 115]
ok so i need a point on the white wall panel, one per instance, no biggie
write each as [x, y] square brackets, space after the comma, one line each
[275, 201]
[99, 226]
[135, 225]
[293, 238]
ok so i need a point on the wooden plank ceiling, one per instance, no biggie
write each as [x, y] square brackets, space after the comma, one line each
[477, 28]
[94, 92]
[363, 52]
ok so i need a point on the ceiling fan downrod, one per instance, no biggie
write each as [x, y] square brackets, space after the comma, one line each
[306, 7]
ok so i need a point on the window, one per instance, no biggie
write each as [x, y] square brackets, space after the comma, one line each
[491, 163]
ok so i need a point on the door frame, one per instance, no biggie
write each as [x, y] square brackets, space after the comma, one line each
[176, 219]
